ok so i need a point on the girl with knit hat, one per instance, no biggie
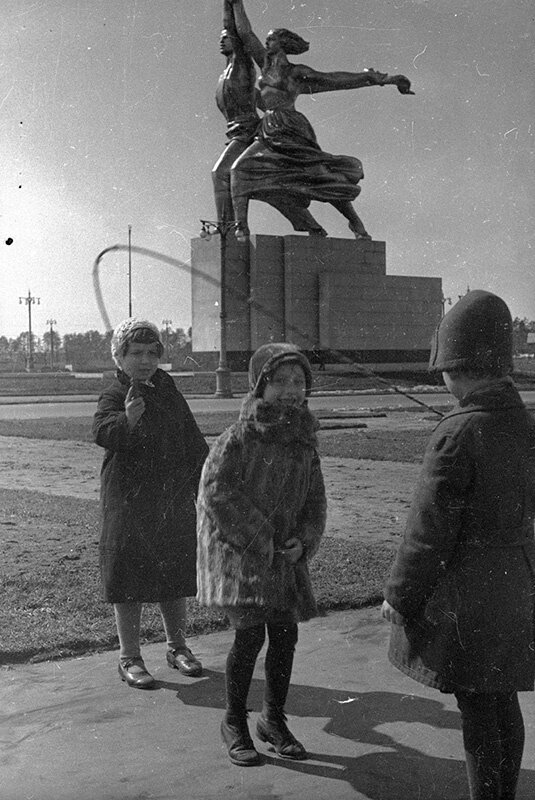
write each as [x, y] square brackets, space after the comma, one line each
[261, 514]
[149, 480]
[462, 587]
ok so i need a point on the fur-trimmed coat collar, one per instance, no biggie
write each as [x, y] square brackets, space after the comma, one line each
[279, 421]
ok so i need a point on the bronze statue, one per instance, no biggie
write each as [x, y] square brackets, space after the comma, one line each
[238, 100]
[285, 157]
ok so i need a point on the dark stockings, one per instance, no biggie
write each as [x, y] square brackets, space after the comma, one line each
[493, 736]
[278, 665]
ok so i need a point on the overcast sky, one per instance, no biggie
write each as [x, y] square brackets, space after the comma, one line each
[108, 119]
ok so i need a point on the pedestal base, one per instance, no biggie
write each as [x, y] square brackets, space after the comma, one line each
[324, 295]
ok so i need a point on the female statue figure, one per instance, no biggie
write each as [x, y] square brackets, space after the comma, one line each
[285, 158]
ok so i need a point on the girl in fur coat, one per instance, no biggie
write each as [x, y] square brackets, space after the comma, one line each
[261, 514]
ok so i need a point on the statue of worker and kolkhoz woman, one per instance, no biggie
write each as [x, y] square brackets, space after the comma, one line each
[275, 157]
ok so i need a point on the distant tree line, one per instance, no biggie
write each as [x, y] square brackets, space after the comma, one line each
[83, 351]
[91, 350]
[521, 329]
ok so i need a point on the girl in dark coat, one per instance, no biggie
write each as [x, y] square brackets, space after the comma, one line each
[149, 479]
[461, 592]
[262, 513]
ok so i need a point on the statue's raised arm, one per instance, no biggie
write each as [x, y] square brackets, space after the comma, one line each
[249, 39]
[228, 18]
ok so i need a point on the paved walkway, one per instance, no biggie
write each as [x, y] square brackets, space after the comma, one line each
[71, 730]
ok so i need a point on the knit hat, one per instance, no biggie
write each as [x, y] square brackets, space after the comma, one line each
[476, 334]
[124, 333]
[268, 358]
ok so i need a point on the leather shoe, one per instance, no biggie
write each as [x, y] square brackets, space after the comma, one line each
[275, 731]
[184, 661]
[135, 673]
[240, 747]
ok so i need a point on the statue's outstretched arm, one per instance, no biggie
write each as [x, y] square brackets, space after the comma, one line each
[313, 81]
[249, 39]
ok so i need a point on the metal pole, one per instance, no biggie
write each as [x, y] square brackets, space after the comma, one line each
[129, 270]
[223, 373]
[167, 323]
[51, 322]
[29, 300]
[30, 344]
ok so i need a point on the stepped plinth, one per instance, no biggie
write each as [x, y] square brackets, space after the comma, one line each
[331, 297]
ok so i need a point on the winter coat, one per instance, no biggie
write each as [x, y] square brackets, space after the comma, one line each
[463, 577]
[149, 481]
[261, 483]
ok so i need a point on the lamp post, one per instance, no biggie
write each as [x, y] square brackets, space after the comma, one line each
[29, 300]
[223, 374]
[167, 322]
[51, 322]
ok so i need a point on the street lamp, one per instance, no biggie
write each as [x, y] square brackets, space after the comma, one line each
[222, 374]
[51, 322]
[167, 322]
[29, 300]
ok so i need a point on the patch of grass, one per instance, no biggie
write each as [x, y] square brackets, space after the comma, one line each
[380, 445]
[78, 429]
[51, 597]
[406, 446]
[349, 574]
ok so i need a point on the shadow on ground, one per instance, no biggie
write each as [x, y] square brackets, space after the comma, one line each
[381, 720]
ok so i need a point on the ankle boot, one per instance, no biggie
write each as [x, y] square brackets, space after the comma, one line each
[275, 731]
[235, 735]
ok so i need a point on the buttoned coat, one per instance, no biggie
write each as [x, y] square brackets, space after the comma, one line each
[463, 577]
[261, 484]
[149, 481]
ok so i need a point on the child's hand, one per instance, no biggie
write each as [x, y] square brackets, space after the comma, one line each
[389, 613]
[293, 549]
[134, 406]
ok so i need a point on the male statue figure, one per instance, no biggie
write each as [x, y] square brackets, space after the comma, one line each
[238, 100]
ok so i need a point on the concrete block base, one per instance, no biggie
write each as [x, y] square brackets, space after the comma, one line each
[328, 296]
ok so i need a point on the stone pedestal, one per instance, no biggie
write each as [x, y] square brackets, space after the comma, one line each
[321, 294]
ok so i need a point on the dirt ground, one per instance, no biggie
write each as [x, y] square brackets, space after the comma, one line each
[367, 500]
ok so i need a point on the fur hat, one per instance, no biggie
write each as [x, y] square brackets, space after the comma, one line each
[476, 334]
[268, 357]
[124, 333]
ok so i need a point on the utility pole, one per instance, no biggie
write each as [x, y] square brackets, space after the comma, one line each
[51, 322]
[129, 270]
[167, 322]
[223, 375]
[29, 300]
